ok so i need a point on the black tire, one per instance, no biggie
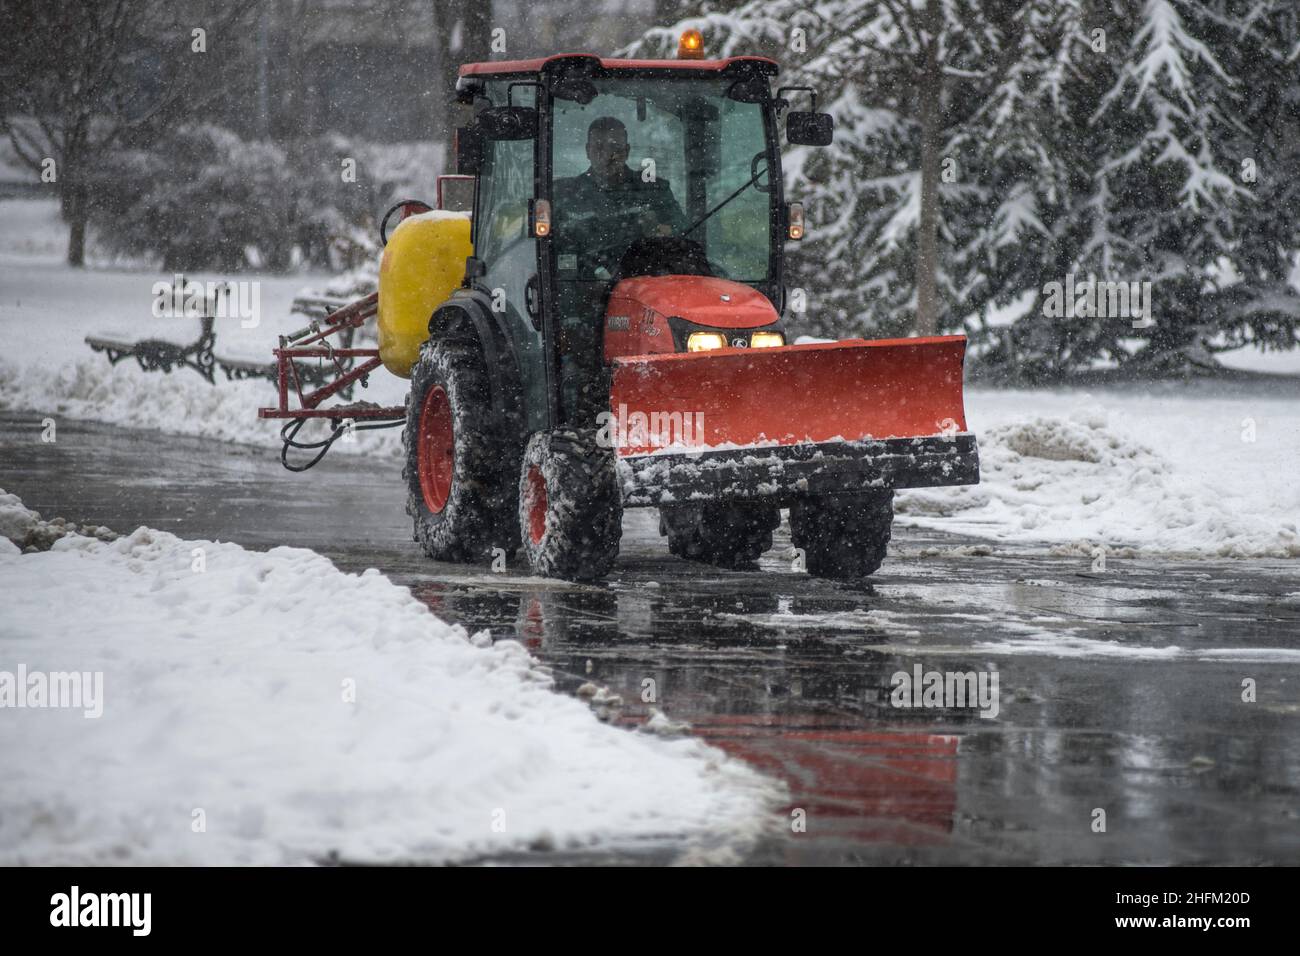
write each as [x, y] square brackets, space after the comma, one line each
[843, 536]
[726, 535]
[570, 505]
[470, 510]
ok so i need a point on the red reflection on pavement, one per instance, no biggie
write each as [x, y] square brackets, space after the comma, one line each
[875, 785]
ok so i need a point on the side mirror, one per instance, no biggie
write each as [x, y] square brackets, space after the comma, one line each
[810, 129]
[469, 150]
[508, 123]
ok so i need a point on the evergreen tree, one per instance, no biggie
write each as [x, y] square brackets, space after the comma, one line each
[987, 149]
[903, 208]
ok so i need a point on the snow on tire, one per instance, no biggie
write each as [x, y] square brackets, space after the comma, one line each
[843, 536]
[460, 460]
[570, 505]
[727, 535]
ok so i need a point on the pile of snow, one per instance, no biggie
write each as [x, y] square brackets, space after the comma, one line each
[266, 708]
[17, 523]
[26, 530]
[1071, 440]
[1133, 473]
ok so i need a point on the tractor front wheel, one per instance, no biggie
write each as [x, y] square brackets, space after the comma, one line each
[570, 505]
[460, 460]
[843, 536]
[731, 536]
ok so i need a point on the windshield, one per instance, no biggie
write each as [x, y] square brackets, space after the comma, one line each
[652, 158]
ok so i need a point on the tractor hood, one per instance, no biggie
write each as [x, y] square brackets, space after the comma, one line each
[703, 300]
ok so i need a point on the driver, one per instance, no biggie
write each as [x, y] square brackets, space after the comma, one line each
[610, 206]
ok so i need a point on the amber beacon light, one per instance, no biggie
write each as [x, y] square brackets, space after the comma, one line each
[691, 46]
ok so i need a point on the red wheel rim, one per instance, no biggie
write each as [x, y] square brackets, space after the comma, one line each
[435, 452]
[537, 504]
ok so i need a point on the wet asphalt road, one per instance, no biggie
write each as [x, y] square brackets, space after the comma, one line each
[1119, 690]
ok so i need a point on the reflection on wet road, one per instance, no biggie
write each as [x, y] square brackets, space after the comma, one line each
[1119, 691]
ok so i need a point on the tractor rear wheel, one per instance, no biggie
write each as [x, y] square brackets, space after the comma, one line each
[843, 536]
[727, 535]
[460, 458]
[570, 505]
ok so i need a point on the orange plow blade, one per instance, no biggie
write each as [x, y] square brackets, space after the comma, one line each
[847, 391]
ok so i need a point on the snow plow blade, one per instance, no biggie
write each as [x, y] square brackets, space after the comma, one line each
[785, 422]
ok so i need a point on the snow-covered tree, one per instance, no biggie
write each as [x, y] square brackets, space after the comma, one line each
[1165, 127]
[1251, 295]
[987, 149]
[905, 206]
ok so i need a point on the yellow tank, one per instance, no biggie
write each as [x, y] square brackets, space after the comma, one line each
[423, 263]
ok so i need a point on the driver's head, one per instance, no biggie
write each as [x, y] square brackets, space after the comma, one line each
[607, 149]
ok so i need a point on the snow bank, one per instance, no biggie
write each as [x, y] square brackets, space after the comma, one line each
[1181, 475]
[298, 711]
[48, 309]
[181, 403]
[22, 529]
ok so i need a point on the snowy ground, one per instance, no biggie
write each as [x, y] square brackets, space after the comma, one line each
[1123, 682]
[297, 711]
[1174, 471]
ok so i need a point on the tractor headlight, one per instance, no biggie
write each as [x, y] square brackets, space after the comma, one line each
[704, 341]
[767, 340]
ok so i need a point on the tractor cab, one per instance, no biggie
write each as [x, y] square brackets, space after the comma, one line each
[599, 328]
[628, 207]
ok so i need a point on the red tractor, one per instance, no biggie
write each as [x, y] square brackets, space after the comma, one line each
[603, 330]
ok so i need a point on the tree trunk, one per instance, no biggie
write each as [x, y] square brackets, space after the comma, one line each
[927, 246]
[75, 211]
[444, 14]
[475, 19]
[74, 194]
[477, 26]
